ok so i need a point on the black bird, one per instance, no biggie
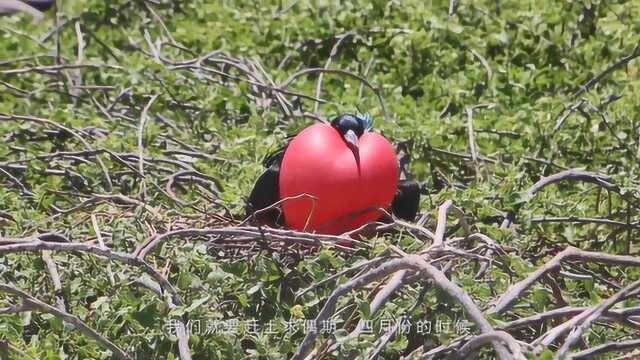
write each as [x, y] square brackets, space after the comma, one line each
[266, 189]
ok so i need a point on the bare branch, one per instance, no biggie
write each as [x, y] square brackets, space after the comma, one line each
[55, 279]
[332, 56]
[4, 344]
[71, 319]
[143, 120]
[12, 6]
[505, 302]
[584, 220]
[487, 338]
[62, 127]
[293, 77]
[409, 262]
[605, 348]
[96, 228]
[34, 243]
[581, 323]
[618, 315]
[618, 64]
[438, 238]
[575, 175]
[181, 330]
[253, 232]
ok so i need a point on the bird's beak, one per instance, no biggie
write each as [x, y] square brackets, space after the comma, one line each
[352, 140]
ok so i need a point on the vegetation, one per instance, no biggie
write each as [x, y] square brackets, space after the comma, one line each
[124, 121]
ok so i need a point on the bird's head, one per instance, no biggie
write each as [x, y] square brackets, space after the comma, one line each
[352, 126]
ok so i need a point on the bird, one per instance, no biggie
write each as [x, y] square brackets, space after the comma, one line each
[345, 170]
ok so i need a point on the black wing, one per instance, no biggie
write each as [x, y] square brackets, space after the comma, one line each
[405, 204]
[41, 5]
[265, 191]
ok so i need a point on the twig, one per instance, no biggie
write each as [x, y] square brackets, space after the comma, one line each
[96, 229]
[485, 63]
[438, 238]
[252, 232]
[472, 141]
[356, 267]
[80, 60]
[34, 243]
[365, 74]
[505, 302]
[55, 279]
[118, 198]
[583, 322]
[618, 64]
[71, 319]
[61, 127]
[453, 6]
[54, 69]
[585, 220]
[159, 20]
[4, 344]
[409, 262]
[23, 188]
[605, 348]
[180, 328]
[565, 114]
[471, 133]
[332, 56]
[487, 338]
[143, 120]
[293, 77]
[15, 5]
[575, 175]
[618, 315]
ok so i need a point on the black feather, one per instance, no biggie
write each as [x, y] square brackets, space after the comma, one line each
[41, 5]
[405, 204]
[265, 191]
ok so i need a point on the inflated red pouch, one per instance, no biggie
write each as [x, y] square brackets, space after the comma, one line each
[349, 185]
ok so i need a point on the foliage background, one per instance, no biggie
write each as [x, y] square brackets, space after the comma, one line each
[427, 66]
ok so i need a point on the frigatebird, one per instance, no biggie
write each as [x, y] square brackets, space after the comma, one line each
[350, 128]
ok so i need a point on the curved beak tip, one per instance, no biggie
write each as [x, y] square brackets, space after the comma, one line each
[352, 139]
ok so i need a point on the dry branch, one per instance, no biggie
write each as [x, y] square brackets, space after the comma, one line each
[575, 175]
[618, 64]
[304, 238]
[438, 238]
[487, 338]
[7, 346]
[35, 243]
[596, 351]
[413, 262]
[55, 279]
[293, 77]
[143, 120]
[619, 315]
[584, 220]
[38, 120]
[164, 287]
[506, 301]
[71, 319]
[582, 322]
[181, 329]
